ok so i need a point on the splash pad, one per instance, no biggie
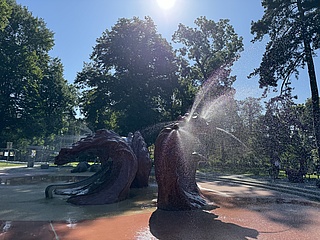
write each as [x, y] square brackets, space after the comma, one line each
[181, 145]
[243, 213]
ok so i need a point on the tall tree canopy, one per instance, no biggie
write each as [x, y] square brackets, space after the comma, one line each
[28, 79]
[131, 80]
[208, 46]
[57, 99]
[249, 111]
[5, 12]
[293, 27]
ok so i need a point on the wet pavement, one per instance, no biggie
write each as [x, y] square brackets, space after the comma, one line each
[237, 212]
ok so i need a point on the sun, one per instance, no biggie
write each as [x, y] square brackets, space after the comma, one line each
[166, 4]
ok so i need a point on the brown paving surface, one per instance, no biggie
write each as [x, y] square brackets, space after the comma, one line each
[119, 227]
[239, 194]
[270, 221]
[237, 214]
[26, 230]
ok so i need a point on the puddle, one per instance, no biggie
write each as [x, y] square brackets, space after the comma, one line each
[23, 199]
[42, 178]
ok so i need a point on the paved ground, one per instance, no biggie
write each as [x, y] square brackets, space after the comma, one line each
[237, 212]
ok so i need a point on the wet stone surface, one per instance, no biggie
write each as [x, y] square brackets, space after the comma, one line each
[26, 214]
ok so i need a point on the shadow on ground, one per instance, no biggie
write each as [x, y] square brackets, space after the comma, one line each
[276, 207]
[195, 225]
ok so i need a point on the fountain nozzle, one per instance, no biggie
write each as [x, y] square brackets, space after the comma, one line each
[175, 126]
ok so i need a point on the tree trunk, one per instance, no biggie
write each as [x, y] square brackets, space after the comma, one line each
[313, 81]
[314, 96]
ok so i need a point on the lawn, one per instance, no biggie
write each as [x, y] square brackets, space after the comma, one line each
[6, 164]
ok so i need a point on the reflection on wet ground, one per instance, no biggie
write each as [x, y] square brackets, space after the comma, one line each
[28, 202]
[40, 179]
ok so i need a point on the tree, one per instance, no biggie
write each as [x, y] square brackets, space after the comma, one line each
[305, 114]
[209, 46]
[25, 42]
[96, 102]
[209, 49]
[271, 133]
[283, 131]
[132, 77]
[293, 28]
[5, 12]
[57, 99]
[32, 88]
[250, 110]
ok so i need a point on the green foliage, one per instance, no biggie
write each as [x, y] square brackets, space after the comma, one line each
[5, 164]
[57, 99]
[95, 102]
[287, 31]
[135, 79]
[5, 12]
[249, 111]
[209, 46]
[208, 49]
[294, 33]
[34, 97]
[283, 130]
[283, 127]
[131, 80]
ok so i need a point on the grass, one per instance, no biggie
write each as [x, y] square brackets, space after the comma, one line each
[312, 176]
[6, 164]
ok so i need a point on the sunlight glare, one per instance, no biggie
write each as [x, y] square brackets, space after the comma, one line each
[166, 4]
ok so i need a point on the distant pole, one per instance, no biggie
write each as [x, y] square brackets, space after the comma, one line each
[9, 147]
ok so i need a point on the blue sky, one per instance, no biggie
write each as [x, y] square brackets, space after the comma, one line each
[78, 23]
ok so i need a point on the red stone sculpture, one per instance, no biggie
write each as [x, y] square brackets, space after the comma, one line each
[120, 167]
[175, 173]
[141, 151]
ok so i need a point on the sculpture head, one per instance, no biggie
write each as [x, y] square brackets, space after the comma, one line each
[65, 156]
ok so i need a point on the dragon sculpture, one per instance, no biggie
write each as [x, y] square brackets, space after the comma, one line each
[175, 172]
[124, 164]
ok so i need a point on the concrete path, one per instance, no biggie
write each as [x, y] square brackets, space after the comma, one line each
[237, 212]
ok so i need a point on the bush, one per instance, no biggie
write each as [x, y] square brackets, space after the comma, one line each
[294, 176]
